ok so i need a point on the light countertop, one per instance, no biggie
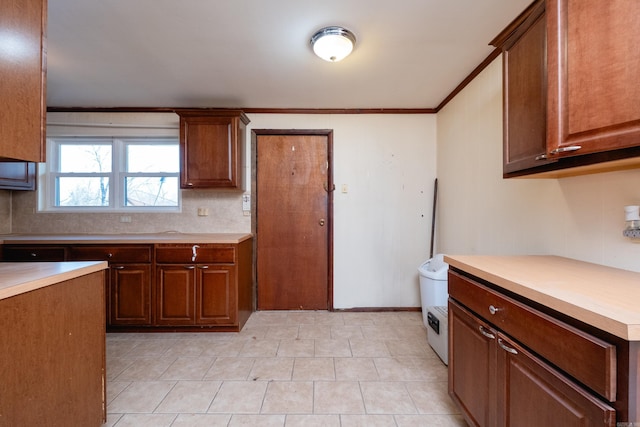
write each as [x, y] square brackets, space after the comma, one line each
[132, 238]
[19, 277]
[605, 297]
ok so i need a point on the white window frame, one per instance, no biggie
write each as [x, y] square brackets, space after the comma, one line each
[49, 172]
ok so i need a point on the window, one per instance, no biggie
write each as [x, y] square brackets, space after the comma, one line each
[112, 174]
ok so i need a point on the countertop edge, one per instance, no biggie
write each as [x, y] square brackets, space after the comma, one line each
[40, 275]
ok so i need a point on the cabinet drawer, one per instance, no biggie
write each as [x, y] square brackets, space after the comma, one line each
[588, 359]
[33, 253]
[122, 254]
[172, 254]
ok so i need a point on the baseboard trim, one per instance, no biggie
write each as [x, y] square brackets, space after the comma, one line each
[376, 309]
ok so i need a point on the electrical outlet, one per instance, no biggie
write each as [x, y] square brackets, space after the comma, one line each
[246, 202]
[125, 218]
[203, 211]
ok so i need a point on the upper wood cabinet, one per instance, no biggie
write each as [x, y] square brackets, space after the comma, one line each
[212, 148]
[571, 98]
[593, 71]
[22, 85]
[525, 98]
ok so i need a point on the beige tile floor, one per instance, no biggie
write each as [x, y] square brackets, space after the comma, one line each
[289, 368]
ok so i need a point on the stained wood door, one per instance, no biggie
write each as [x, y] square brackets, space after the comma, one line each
[293, 196]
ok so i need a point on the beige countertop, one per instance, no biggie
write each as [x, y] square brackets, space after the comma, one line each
[605, 297]
[88, 239]
[19, 277]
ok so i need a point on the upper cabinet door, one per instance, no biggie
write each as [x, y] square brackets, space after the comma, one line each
[525, 98]
[22, 85]
[593, 76]
[212, 148]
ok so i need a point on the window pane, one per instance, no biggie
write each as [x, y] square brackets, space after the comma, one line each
[82, 191]
[151, 191]
[85, 158]
[153, 158]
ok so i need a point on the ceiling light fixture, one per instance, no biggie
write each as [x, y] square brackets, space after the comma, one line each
[333, 43]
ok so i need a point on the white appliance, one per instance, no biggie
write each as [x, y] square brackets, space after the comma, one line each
[437, 335]
[434, 295]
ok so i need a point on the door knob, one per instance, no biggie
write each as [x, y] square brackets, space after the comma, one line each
[321, 222]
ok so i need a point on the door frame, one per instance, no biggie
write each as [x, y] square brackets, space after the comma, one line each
[254, 194]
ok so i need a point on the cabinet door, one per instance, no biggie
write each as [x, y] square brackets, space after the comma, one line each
[22, 86]
[525, 99]
[472, 358]
[211, 149]
[528, 385]
[216, 295]
[130, 294]
[175, 294]
[593, 69]
[17, 176]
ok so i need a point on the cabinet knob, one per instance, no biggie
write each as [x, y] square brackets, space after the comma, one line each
[33, 254]
[493, 309]
[109, 255]
[321, 222]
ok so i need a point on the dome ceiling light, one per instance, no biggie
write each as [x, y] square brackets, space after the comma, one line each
[333, 43]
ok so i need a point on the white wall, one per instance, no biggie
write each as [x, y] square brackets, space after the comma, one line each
[481, 213]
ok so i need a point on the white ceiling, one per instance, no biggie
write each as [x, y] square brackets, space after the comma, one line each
[256, 53]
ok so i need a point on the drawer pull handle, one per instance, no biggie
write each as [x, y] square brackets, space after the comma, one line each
[33, 254]
[486, 333]
[493, 309]
[189, 267]
[119, 267]
[541, 157]
[566, 149]
[203, 267]
[506, 347]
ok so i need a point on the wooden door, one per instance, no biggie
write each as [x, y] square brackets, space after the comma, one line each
[293, 227]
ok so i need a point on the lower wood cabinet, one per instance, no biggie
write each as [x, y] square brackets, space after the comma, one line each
[512, 362]
[497, 382]
[128, 284]
[164, 287]
[52, 355]
[195, 294]
[206, 285]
